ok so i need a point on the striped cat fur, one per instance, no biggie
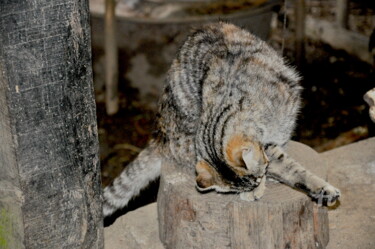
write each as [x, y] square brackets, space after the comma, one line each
[229, 106]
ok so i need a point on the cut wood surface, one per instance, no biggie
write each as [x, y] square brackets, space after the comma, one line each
[283, 218]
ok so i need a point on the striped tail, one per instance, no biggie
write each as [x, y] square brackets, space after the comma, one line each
[135, 177]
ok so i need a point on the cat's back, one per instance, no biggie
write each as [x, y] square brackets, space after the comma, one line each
[223, 65]
[245, 60]
[254, 82]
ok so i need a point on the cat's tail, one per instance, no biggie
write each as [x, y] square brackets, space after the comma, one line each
[135, 177]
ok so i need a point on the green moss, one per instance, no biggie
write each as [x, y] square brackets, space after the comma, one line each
[6, 228]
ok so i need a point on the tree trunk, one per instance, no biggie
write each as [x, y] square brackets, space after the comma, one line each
[49, 166]
[283, 218]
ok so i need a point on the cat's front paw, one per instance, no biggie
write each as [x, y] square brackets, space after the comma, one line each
[257, 193]
[326, 196]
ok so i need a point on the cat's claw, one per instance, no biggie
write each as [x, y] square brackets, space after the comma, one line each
[326, 196]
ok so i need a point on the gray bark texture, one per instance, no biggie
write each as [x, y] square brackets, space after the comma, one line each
[283, 218]
[50, 193]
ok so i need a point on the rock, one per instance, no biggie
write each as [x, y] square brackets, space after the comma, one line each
[135, 230]
[352, 170]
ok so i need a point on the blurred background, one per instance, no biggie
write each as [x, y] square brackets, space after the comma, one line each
[134, 42]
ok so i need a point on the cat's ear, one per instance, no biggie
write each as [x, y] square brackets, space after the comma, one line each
[248, 158]
[253, 157]
[205, 175]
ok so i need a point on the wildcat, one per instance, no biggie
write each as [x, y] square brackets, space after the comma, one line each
[229, 107]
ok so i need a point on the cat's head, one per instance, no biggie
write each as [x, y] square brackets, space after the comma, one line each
[245, 164]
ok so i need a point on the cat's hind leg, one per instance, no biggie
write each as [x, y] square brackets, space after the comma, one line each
[285, 169]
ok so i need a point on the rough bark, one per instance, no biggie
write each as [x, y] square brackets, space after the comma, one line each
[49, 166]
[283, 218]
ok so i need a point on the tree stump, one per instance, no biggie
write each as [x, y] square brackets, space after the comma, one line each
[283, 218]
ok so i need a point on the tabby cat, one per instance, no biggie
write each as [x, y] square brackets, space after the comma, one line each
[229, 107]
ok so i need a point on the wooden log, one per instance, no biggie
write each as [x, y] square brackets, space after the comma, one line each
[49, 166]
[283, 218]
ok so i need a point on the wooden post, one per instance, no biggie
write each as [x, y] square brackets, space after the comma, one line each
[283, 218]
[300, 16]
[50, 192]
[111, 59]
[342, 13]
